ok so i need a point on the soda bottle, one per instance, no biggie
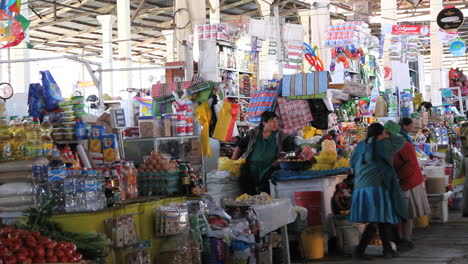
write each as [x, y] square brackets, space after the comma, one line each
[6, 151]
[108, 187]
[46, 138]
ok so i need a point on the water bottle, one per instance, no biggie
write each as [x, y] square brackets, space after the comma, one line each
[90, 192]
[57, 173]
[69, 187]
[41, 184]
[101, 191]
[80, 195]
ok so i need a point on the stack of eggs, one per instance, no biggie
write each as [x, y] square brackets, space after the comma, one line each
[70, 110]
[158, 175]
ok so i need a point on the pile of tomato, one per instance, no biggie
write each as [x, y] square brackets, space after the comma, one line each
[25, 247]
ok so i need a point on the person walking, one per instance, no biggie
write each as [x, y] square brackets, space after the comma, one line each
[377, 197]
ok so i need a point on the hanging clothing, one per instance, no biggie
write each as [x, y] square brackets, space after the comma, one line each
[377, 196]
[203, 114]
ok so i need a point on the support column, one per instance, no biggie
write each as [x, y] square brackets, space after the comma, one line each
[436, 54]
[107, 53]
[388, 17]
[215, 16]
[125, 55]
[188, 15]
[265, 68]
[320, 21]
[170, 49]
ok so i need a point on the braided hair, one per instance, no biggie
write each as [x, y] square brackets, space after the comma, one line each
[374, 130]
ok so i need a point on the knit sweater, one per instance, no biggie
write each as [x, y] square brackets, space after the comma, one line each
[407, 167]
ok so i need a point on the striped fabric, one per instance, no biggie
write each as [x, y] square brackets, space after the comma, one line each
[261, 101]
[162, 89]
[294, 114]
[304, 84]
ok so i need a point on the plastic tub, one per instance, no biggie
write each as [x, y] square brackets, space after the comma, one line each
[67, 114]
[65, 119]
[66, 108]
[69, 136]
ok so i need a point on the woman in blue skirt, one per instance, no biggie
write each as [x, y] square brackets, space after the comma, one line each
[377, 196]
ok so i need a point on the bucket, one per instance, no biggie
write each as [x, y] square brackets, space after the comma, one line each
[422, 222]
[312, 243]
[312, 201]
[435, 179]
[348, 235]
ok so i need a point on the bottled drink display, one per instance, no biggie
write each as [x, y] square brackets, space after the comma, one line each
[46, 136]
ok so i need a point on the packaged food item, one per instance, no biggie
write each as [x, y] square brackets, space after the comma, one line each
[95, 135]
[148, 127]
[35, 100]
[109, 147]
[52, 93]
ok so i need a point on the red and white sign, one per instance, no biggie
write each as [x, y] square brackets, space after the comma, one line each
[410, 30]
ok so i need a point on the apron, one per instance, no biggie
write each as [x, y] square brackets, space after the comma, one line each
[261, 159]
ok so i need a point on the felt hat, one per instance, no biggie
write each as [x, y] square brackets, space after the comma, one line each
[392, 127]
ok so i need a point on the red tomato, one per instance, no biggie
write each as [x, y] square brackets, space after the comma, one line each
[15, 244]
[59, 253]
[27, 261]
[31, 242]
[5, 242]
[36, 234]
[62, 245]
[3, 251]
[73, 260]
[31, 253]
[71, 246]
[14, 235]
[24, 233]
[11, 259]
[63, 259]
[78, 256]
[20, 257]
[49, 252]
[52, 259]
[69, 252]
[39, 260]
[43, 240]
[22, 251]
[51, 244]
[39, 252]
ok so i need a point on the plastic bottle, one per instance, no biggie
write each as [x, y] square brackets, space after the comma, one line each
[80, 192]
[108, 188]
[90, 192]
[381, 107]
[57, 173]
[46, 138]
[69, 188]
[33, 138]
[6, 151]
[18, 138]
[80, 130]
[40, 180]
[102, 200]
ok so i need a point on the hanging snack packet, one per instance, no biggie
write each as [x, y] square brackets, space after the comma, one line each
[52, 93]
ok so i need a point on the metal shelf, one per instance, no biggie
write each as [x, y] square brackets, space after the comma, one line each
[248, 72]
[227, 69]
[160, 138]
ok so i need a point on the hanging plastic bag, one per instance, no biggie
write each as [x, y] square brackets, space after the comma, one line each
[52, 93]
[226, 121]
[233, 166]
[35, 100]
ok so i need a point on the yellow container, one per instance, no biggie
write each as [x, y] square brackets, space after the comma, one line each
[422, 221]
[312, 243]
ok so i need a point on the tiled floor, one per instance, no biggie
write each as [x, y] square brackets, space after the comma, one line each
[437, 244]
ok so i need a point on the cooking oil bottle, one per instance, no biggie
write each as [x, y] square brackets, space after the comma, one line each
[33, 138]
[46, 138]
[18, 138]
[6, 151]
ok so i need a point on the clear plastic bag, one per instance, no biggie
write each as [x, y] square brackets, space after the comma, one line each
[171, 220]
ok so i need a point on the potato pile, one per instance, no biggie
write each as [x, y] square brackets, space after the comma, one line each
[158, 162]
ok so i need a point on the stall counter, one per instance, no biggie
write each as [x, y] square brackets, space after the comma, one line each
[94, 221]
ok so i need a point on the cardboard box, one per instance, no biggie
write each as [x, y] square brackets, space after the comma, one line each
[338, 94]
[236, 20]
[105, 120]
[356, 89]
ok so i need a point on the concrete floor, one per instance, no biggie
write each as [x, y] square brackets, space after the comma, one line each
[437, 244]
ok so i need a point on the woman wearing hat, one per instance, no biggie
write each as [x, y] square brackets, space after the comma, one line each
[377, 196]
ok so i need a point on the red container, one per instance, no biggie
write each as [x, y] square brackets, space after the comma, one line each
[312, 201]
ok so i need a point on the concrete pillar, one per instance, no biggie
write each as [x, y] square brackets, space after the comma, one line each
[389, 17]
[196, 15]
[107, 53]
[125, 55]
[436, 54]
[170, 50]
[264, 65]
[215, 16]
[320, 20]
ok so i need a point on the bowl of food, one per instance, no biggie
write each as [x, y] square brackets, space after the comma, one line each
[294, 164]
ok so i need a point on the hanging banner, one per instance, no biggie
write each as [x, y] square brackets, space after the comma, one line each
[450, 18]
[410, 30]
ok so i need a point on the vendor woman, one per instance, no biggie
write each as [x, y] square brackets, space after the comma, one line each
[261, 148]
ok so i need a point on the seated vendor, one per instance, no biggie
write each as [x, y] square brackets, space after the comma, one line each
[261, 148]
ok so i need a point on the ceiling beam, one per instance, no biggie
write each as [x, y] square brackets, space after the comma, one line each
[105, 9]
[135, 14]
[238, 3]
[60, 11]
